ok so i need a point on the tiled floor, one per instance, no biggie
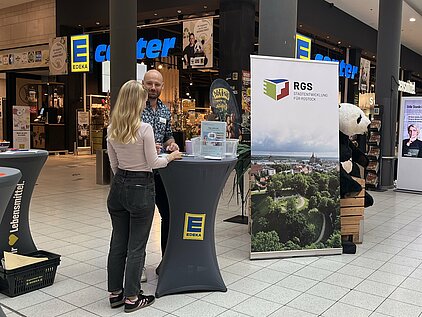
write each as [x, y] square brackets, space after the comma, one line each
[68, 216]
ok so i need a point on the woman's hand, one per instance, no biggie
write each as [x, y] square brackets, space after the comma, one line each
[176, 155]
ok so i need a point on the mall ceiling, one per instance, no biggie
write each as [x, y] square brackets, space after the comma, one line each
[367, 12]
[364, 10]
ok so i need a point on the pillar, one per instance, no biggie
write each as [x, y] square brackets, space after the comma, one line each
[387, 74]
[277, 27]
[123, 38]
[237, 35]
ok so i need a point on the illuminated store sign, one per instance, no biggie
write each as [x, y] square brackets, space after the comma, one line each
[303, 51]
[344, 69]
[303, 47]
[150, 49]
[79, 53]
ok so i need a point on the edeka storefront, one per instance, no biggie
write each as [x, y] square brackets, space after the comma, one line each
[90, 62]
[308, 49]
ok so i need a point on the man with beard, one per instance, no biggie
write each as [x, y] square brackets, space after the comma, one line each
[159, 117]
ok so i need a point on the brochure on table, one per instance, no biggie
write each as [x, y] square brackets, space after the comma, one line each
[410, 145]
[295, 158]
[213, 139]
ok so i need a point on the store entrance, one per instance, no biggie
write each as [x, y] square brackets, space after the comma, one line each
[36, 111]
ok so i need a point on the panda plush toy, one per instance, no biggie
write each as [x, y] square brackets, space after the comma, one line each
[353, 121]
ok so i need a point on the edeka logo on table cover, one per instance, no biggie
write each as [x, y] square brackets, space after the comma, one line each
[276, 88]
[194, 226]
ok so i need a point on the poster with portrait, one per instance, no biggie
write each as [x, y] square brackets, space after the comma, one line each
[295, 158]
[364, 75]
[198, 43]
[410, 144]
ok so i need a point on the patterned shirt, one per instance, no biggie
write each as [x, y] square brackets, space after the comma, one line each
[160, 120]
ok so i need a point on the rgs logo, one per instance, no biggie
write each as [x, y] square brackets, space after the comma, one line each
[302, 86]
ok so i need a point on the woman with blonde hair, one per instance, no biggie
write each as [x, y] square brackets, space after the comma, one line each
[130, 203]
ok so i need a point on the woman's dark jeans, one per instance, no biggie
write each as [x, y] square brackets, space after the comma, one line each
[131, 207]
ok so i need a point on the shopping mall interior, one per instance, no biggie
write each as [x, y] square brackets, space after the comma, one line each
[369, 265]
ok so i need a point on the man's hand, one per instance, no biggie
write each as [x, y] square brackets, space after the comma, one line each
[172, 147]
[158, 147]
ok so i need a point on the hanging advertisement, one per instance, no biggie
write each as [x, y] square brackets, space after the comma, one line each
[364, 75]
[21, 126]
[295, 158]
[26, 57]
[246, 90]
[58, 56]
[410, 144]
[198, 43]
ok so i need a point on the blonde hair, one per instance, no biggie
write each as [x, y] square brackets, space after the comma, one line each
[126, 115]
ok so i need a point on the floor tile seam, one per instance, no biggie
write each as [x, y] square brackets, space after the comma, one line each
[227, 310]
[404, 288]
[25, 307]
[309, 265]
[68, 302]
[354, 289]
[82, 308]
[338, 301]
[241, 302]
[78, 290]
[232, 308]
[13, 310]
[172, 312]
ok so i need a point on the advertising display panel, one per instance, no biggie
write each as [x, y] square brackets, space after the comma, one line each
[198, 43]
[410, 145]
[295, 158]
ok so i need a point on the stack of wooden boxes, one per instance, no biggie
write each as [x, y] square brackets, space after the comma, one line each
[351, 213]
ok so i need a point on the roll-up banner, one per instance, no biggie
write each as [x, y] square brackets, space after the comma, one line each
[410, 145]
[295, 158]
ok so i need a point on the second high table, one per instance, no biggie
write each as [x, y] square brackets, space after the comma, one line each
[15, 234]
[193, 188]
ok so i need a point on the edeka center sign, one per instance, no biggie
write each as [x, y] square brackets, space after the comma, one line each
[149, 49]
[344, 69]
[303, 51]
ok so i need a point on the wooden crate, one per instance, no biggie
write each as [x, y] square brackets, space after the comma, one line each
[351, 213]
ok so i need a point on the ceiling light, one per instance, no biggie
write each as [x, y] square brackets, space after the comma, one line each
[300, 25]
[412, 19]
[328, 36]
[97, 23]
[373, 56]
[155, 14]
[179, 11]
[190, 84]
[205, 7]
[79, 25]
[187, 94]
[339, 42]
